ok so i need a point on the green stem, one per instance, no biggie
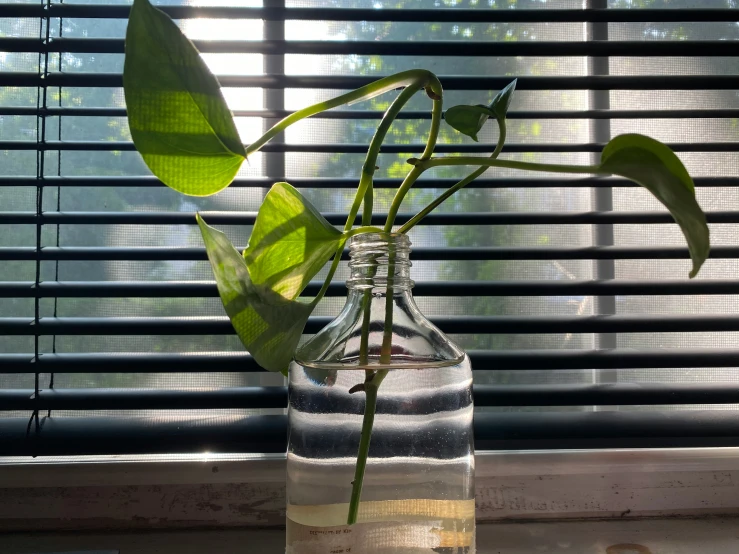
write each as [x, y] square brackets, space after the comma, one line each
[403, 189]
[413, 80]
[404, 78]
[364, 190]
[423, 165]
[413, 175]
[361, 231]
[371, 384]
[368, 204]
[460, 185]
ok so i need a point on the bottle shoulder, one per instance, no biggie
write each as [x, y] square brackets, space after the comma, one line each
[363, 332]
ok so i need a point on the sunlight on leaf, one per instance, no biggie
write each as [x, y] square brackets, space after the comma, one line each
[268, 324]
[179, 120]
[290, 243]
[654, 166]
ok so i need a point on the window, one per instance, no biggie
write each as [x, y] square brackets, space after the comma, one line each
[570, 293]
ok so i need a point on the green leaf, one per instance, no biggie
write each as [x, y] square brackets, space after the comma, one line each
[501, 102]
[268, 324]
[179, 120]
[654, 166]
[468, 120]
[290, 243]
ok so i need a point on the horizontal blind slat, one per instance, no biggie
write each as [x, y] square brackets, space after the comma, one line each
[558, 324]
[605, 82]
[665, 48]
[275, 397]
[144, 399]
[207, 289]
[707, 113]
[339, 183]
[482, 360]
[88, 253]
[347, 148]
[248, 218]
[436, 15]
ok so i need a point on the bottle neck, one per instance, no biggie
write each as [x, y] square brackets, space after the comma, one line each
[379, 263]
[380, 324]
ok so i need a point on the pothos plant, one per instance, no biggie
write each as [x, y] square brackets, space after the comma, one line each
[184, 131]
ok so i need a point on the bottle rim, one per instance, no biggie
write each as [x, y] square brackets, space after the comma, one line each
[400, 240]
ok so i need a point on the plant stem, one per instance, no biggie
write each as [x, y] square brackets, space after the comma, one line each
[512, 164]
[366, 92]
[371, 384]
[414, 174]
[458, 186]
[364, 190]
[413, 80]
[403, 189]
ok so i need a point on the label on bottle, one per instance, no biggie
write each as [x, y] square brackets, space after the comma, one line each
[410, 533]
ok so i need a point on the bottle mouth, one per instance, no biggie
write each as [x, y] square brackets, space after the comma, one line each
[393, 241]
[380, 261]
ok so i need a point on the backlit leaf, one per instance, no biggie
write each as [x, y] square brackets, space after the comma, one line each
[501, 102]
[654, 166]
[268, 324]
[468, 120]
[179, 120]
[290, 243]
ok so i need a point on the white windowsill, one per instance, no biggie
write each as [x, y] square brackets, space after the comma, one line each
[168, 493]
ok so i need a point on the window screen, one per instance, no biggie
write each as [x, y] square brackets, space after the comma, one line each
[570, 293]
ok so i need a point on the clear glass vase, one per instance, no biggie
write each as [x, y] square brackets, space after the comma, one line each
[380, 384]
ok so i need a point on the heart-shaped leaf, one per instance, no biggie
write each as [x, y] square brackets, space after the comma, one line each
[654, 166]
[501, 102]
[179, 120]
[468, 120]
[290, 243]
[268, 324]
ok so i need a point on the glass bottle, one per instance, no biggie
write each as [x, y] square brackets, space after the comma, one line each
[418, 485]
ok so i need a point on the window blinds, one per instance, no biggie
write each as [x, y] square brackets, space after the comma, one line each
[571, 294]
